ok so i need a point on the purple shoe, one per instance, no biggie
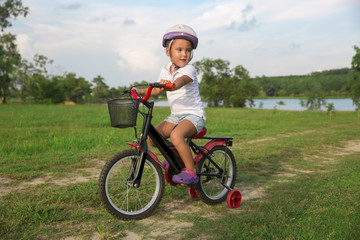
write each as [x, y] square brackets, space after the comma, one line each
[185, 177]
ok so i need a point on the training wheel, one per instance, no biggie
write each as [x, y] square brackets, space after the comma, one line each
[233, 199]
[192, 193]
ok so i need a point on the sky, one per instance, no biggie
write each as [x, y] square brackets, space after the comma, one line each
[121, 40]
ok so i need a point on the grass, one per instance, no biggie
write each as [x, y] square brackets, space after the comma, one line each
[307, 182]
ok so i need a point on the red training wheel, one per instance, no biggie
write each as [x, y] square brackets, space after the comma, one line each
[233, 199]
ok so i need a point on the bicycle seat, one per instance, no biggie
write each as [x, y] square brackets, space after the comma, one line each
[200, 134]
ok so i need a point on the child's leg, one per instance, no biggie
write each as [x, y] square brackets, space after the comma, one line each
[183, 130]
[164, 128]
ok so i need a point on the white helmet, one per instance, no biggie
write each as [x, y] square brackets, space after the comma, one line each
[180, 31]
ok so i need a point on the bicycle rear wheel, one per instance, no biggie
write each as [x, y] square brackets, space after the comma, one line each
[121, 198]
[211, 186]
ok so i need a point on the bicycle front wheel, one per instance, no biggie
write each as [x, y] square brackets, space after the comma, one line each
[121, 198]
[216, 176]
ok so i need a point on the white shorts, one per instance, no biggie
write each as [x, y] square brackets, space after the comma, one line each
[198, 122]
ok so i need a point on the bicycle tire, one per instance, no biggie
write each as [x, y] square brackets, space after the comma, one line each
[124, 201]
[209, 189]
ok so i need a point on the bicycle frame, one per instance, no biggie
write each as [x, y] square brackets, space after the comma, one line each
[166, 148]
[133, 192]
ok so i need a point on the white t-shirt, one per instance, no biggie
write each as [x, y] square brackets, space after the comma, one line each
[186, 99]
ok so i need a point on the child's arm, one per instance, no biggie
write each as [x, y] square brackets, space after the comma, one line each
[180, 82]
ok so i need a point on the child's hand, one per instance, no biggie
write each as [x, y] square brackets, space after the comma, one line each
[164, 81]
[138, 91]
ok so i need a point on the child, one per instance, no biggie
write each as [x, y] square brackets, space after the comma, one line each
[187, 111]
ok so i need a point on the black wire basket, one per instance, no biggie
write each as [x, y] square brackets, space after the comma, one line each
[123, 112]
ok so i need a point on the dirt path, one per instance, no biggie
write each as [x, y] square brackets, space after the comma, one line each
[8, 185]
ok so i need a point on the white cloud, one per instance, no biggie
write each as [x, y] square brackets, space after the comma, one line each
[224, 15]
[309, 9]
[128, 37]
[23, 43]
[137, 57]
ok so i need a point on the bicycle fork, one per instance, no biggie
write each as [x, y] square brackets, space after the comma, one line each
[137, 163]
[136, 170]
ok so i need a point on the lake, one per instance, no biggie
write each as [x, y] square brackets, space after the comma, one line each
[341, 104]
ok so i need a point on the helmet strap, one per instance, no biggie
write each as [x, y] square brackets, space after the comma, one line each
[175, 67]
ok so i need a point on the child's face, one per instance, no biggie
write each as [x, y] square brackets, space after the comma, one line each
[180, 52]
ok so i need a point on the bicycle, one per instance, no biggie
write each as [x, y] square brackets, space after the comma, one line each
[131, 184]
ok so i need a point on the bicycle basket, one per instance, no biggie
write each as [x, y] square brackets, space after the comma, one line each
[123, 112]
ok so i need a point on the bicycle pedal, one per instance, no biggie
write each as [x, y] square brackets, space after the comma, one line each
[186, 185]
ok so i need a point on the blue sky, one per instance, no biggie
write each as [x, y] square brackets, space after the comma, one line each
[121, 40]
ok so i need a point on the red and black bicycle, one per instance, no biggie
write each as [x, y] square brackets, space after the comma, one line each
[131, 183]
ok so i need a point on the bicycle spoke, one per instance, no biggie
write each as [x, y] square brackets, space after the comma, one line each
[137, 194]
[123, 195]
[118, 193]
[149, 177]
[212, 186]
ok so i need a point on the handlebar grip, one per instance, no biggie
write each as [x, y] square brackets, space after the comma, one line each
[134, 94]
[170, 85]
[162, 85]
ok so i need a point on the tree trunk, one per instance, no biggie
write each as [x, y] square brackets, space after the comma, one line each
[3, 96]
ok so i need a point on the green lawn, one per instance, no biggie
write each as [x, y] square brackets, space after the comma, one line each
[298, 173]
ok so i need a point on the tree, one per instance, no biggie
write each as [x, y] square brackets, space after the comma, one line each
[215, 73]
[315, 98]
[9, 57]
[75, 89]
[11, 9]
[114, 93]
[22, 80]
[45, 90]
[32, 79]
[220, 84]
[353, 85]
[101, 90]
[332, 83]
[242, 89]
[330, 109]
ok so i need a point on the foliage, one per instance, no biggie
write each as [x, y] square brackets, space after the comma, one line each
[222, 85]
[332, 83]
[22, 80]
[75, 88]
[280, 103]
[330, 109]
[354, 83]
[215, 74]
[101, 90]
[315, 98]
[9, 56]
[219, 85]
[11, 9]
[31, 79]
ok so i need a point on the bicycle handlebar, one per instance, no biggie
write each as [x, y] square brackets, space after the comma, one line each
[148, 93]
